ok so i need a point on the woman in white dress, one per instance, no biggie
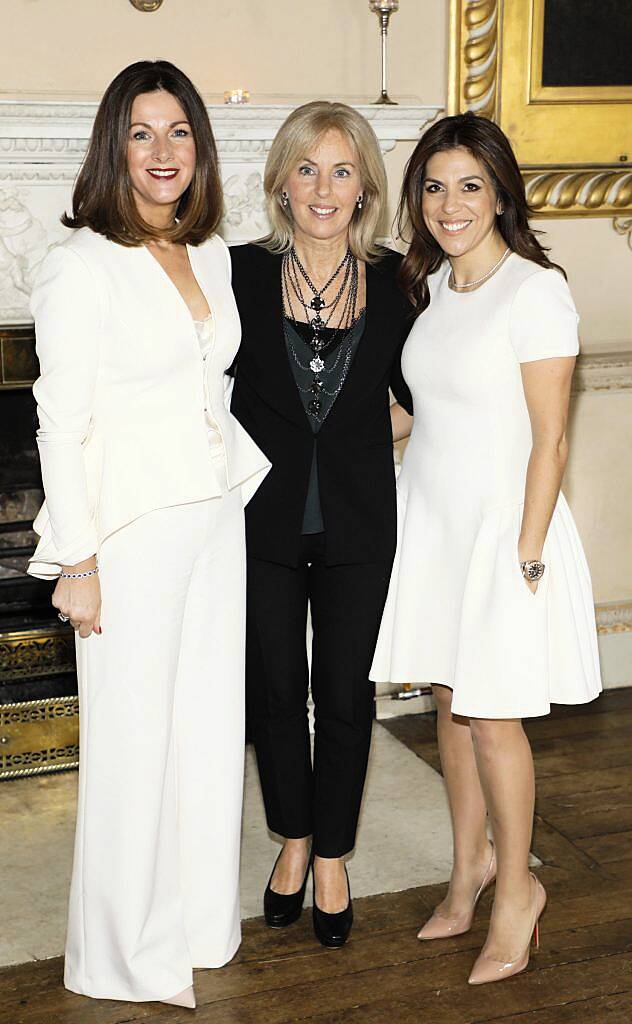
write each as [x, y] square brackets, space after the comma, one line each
[145, 475]
[490, 595]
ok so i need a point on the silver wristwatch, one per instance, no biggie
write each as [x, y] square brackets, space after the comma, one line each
[532, 571]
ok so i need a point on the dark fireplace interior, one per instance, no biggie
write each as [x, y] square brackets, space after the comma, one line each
[34, 664]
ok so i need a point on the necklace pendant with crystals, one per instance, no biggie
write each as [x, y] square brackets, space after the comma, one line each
[317, 323]
[314, 406]
[317, 303]
[317, 365]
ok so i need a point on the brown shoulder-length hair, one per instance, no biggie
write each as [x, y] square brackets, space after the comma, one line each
[492, 148]
[102, 197]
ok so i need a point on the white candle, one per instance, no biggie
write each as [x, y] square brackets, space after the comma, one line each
[236, 96]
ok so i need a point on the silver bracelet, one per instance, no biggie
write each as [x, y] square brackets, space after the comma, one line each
[78, 575]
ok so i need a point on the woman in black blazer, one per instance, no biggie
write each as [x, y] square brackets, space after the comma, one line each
[323, 323]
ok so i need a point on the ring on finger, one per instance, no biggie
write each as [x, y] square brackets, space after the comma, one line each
[63, 618]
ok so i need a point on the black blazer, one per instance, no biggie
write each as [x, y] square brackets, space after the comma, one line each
[356, 474]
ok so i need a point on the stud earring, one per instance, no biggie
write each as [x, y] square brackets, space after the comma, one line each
[499, 210]
[285, 199]
[360, 202]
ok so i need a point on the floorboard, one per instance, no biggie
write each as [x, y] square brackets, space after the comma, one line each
[581, 974]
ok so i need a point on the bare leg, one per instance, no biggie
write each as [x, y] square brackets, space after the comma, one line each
[505, 768]
[467, 806]
[291, 866]
[331, 884]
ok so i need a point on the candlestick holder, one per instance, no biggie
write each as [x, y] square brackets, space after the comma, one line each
[384, 9]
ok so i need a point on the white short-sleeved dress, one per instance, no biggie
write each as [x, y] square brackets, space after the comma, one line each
[458, 611]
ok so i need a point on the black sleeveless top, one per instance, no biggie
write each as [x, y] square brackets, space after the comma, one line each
[338, 356]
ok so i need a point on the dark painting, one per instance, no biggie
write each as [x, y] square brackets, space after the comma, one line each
[587, 43]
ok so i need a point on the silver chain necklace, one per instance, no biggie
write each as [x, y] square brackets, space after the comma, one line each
[342, 333]
[472, 284]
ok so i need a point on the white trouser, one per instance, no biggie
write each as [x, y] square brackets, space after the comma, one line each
[155, 886]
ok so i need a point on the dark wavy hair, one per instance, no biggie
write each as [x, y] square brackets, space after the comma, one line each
[102, 197]
[492, 148]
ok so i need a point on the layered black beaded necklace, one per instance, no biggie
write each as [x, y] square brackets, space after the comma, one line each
[291, 273]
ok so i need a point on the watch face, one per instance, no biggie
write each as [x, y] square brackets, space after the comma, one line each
[533, 570]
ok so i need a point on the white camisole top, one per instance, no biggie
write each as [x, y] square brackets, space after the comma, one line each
[206, 336]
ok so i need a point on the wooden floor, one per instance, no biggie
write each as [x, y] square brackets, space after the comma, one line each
[582, 973]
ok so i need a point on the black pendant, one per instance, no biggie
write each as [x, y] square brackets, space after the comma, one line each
[316, 386]
[317, 303]
[314, 406]
[317, 323]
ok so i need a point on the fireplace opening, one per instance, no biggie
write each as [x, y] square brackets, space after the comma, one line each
[38, 686]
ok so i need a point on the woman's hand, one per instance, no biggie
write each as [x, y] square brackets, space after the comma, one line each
[527, 554]
[80, 600]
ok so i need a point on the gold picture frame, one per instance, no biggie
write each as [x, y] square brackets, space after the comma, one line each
[573, 143]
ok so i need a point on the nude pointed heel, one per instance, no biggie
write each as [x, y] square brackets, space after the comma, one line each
[439, 927]
[185, 998]
[486, 970]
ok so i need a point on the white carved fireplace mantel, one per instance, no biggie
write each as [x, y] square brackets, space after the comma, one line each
[42, 145]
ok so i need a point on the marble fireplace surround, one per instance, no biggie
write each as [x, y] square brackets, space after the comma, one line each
[42, 145]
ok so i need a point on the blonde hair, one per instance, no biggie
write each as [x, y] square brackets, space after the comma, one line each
[298, 134]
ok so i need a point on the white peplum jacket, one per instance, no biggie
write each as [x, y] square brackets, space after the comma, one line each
[123, 392]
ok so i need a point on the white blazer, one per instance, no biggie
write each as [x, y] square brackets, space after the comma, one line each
[123, 389]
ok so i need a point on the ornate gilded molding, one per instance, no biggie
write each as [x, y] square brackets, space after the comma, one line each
[614, 617]
[474, 57]
[566, 192]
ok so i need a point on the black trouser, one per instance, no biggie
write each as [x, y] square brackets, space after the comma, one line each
[346, 605]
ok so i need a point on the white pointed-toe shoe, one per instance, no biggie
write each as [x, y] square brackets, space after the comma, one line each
[185, 998]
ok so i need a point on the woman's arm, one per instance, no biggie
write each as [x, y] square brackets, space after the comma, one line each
[402, 409]
[401, 422]
[547, 385]
[67, 310]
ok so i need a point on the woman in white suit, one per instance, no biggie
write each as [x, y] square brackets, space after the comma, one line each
[146, 474]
